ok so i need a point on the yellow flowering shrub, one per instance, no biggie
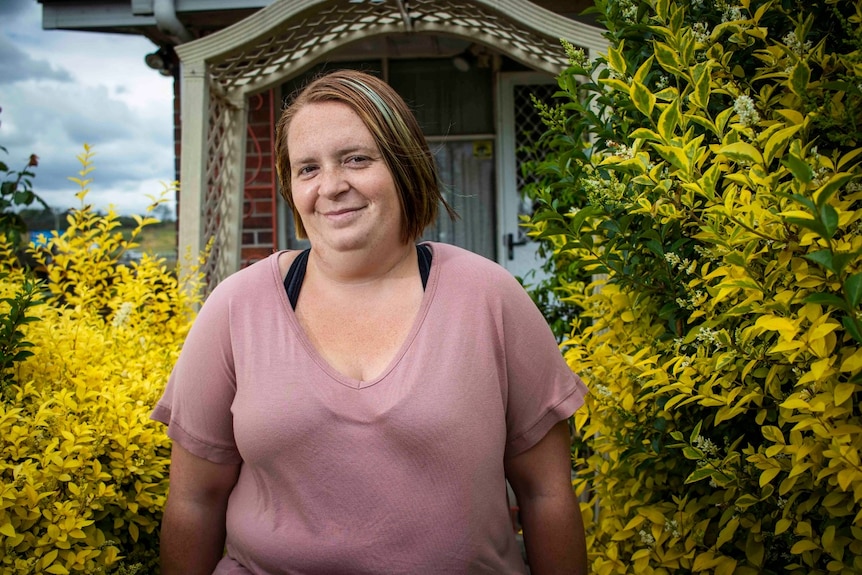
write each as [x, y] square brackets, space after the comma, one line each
[701, 207]
[83, 471]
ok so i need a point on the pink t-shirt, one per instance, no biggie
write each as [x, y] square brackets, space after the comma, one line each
[401, 474]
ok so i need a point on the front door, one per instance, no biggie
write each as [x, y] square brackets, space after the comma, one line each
[466, 166]
[518, 126]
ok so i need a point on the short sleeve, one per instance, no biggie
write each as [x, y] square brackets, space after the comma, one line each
[196, 405]
[542, 389]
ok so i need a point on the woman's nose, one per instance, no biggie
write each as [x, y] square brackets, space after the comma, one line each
[334, 182]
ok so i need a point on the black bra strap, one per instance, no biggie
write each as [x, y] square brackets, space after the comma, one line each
[424, 253]
[296, 273]
[294, 277]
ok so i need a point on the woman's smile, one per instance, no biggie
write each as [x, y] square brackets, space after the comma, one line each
[343, 216]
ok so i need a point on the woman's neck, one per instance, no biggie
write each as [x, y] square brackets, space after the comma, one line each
[363, 267]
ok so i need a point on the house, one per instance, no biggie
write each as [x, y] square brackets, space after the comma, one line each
[467, 67]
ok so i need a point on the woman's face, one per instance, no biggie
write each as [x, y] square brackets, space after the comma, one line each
[341, 186]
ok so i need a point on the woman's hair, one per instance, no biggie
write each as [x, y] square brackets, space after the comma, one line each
[396, 133]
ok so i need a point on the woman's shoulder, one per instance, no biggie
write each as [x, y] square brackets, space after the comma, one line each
[470, 269]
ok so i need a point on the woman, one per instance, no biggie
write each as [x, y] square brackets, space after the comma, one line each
[357, 407]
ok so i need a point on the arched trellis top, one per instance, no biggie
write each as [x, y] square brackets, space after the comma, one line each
[221, 70]
[288, 35]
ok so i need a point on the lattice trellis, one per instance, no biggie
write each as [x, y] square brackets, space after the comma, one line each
[221, 165]
[528, 123]
[304, 39]
[252, 63]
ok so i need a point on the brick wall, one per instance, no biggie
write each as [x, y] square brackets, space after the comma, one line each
[259, 220]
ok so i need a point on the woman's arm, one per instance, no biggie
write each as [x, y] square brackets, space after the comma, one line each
[193, 528]
[541, 478]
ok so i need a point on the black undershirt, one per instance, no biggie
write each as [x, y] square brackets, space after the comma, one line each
[296, 273]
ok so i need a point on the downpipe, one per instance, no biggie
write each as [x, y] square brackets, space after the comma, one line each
[165, 12]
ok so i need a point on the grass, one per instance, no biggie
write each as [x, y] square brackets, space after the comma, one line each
[159, 239]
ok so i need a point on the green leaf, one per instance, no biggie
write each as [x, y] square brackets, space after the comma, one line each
[709, 181]
[644, 133]
[579, 218]
[701, 77]
[826, 299]
[675, 155]
[852, 328]
[840, 261]
[742, 152]
[829, 218]
[695, 433]
[847, 158]
[643, 70]
[643, 99]
[700, 474]
[822, 258]
[823, 194]
[804, 201]
[692, 453]
[616, 60]
[669, 120]
[799, 78]
[615, 83]
[745, 501]
[667, 57]
[853, 289]
[777, 141]
[800, 170]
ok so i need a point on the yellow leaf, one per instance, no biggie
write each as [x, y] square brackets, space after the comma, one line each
[7, 529]
[635, 522]
[622, 535]
[847, 476]
[792, 116]
[49, 557]
[782, 325]
[828, 538]
[742, 152]
[57, 569]
[819, 368]
[782, 525]
[726, 566]
[802, 546]
[653, 515]
[853, 362]
[727, 532]
[843, 392]
[778, 140]
[769, 475]
[794, 403]
[704, 561]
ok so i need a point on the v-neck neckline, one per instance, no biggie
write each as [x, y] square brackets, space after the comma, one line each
[332, 372]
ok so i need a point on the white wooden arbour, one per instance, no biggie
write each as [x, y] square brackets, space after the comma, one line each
[220, 71]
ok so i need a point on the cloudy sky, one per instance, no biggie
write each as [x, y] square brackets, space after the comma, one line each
[60, 90]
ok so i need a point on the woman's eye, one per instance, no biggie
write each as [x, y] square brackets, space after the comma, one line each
[357, 160]
[305, 170]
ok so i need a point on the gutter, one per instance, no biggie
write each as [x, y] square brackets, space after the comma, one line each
[165, 12]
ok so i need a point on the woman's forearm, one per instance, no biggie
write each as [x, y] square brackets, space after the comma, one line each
[192, 538]
[554, 536]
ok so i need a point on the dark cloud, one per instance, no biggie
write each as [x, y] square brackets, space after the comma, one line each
[17, 66]
[88, 88]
